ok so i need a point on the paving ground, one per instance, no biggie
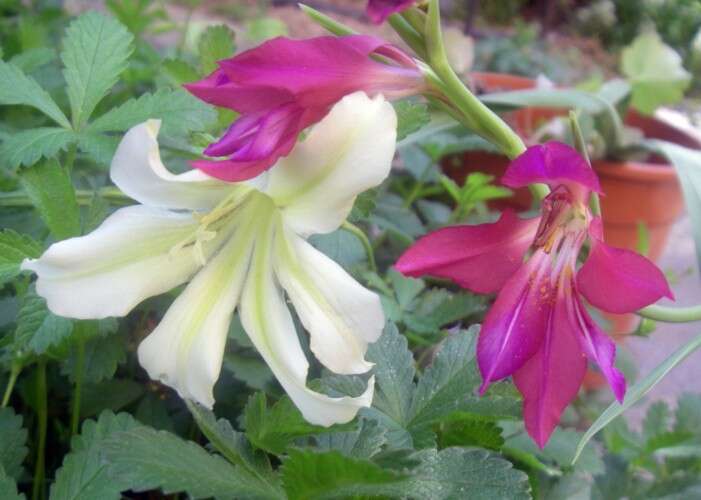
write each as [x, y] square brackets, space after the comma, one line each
[680, 258]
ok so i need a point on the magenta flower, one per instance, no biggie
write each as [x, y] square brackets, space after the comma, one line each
[379, 10]
[538, 329]
[284, 86]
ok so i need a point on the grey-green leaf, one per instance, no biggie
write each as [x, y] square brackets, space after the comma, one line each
[18, 88]
[95, 52]
[146, 459]
[28, 146]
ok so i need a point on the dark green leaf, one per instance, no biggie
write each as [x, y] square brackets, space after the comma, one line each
[8, 487]
[145, 459]
[14, 248]
[95, 52]
[364, 442]
[38, 329]
[28, 146]
[101, 357]
[50, 189]
[470, 432]
[112, 395]
[13, 438]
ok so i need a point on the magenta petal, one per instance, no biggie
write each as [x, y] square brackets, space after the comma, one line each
[552, 163]
[480, 258]
[379, 10]
[513, 329]
[618, 280]
[598, 347]
[551, 378]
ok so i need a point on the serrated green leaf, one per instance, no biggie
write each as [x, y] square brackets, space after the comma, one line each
[466, 473]
[83, 474]
[308, 475]
[341, 246]
[99, 147]
[8, 487]
[274, 429]
[100, 359]
[145, 459]
[391, 214]
[38, 329]
[411, 117]
[95, 52]
[688, 414]
[655, 71]
[51, 191]
[112, 394]
[31, 59]
[471, 432]
[29, 146]
[14, 248]
[231, 444]
[13, 438]
[657, 420]
[438, 308]
[16, 88]
[364, 442]
[215, 44]
[179, 71]
[363, 206]
[181, 113]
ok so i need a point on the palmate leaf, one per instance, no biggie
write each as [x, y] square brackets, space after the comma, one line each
[95, 52]
[28, 146]
[180, 112]
[83, 474]
[145, 459]
[18, 88]
[51, 191]
[14, 248]
[13, 439]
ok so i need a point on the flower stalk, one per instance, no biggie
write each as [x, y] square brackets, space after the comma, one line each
[42, 422]
[671, 314]
[362, 237]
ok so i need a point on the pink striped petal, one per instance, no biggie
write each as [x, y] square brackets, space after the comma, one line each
[552, 163]
[618, 280]
[512, 331]
[379, 10]
[598, 347]
[551, 378]
[480, 258]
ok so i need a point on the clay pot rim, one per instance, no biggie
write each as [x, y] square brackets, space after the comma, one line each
[638, 171]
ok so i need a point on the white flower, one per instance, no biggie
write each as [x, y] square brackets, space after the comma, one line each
[240, 246]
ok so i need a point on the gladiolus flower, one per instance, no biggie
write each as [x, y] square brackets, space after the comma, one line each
[379, 10]
[284, 86]
[240, 246]
[538, 329]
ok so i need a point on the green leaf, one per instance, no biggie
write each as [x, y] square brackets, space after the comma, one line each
[341, 246]
[28, 146]
[688, 414]
[264, 28]
[215, 44]
[470, 432]
[83, 474]
[657, 420]
[438, 308]
[309, 475]
[14, 248]
[50, 189]
[13, 438]
[99, 147]
[411, 117]
[179, 71]
[392, 215]
[145, 459]
[364, 442]
[101, 358]
[231, 444]
[95, 52]
[38, 329]
[16, 88]
[687, 163]
[655, 71]
[112, 394]
[181, 113]
[32, 59]
[274, 429]
[637, 392]
[466, 473]
[8, 487]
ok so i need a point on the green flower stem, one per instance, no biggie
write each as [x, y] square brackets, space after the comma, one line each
[14, 373]
[42, 420]
[358, 233]
[416, 18]
[488, 123]
[326, 22]
[581, 146]
[408, 34]
[78, 389]
[671, 314]
[83, 196]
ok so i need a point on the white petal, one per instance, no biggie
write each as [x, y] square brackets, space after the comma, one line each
[346, 153]
[138, 171]
[186, 349]
[268, 323]
[124, 261]
[342, 316]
